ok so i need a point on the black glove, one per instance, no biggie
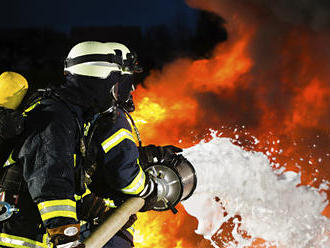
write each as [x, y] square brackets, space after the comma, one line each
[150, 195]
[152, 154]
[130, 221]
[66, 236]
[91, 208]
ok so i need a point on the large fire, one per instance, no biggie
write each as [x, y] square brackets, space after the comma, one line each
[269, 82]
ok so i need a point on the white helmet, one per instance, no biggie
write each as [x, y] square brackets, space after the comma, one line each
[97, 59]
[129, 59]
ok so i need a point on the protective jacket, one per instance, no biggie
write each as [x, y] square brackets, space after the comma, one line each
[47, 162]
[118, 171]
[118, 174]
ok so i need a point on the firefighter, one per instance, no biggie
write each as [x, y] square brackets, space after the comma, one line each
[13, 87]
[115, 162]
[45, 181]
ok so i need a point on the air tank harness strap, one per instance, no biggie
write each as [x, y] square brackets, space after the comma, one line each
[80, 174]
[135, 127]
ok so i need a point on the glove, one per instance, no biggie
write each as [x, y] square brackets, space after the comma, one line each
[66, 236]
[152, 154]
[92, 208]
[130, 221]
[150, 195]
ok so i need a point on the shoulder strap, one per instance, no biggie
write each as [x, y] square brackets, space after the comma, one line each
[79, 174]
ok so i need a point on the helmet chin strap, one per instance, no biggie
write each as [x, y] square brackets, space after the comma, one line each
[113, 92]
[138, 136]
[109, 110]
[113, 106]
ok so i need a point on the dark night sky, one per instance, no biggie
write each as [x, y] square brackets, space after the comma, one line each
[61, 15]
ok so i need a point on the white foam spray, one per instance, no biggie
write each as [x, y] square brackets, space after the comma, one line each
[272, 207]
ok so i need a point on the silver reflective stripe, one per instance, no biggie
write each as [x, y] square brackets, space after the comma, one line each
[116, 138]
[137, 188]
[10, 160]
[109, 203]
[10, 242]
[69, 245]
[8, 163]
[57, 208]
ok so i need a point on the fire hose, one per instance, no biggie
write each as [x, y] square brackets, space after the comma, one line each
[114, 223]
[175, 183]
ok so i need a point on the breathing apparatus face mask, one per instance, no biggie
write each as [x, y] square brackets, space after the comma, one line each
[122, 90]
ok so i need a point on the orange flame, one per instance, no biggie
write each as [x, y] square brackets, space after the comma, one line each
[282, 98]
[152, 227]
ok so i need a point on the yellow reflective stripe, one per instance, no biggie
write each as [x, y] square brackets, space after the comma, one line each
[10, 160]
[137, 185]
[45, 240]
[109, 203]
[86, 128]
[131, 230]
[82, 222]
[52, 203]
[87, 192]
[116, 138]
[57, 208]
[55, 214]
[30, 108]
[20, 242]
[74, 160]
[136, 139]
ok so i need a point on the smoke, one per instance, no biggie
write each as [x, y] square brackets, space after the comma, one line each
[289, 52]
[315, 14]
[231, 106]
[271, 75]
[300, 12]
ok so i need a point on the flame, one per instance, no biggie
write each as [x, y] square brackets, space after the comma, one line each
[152, 226]
[269, 93]
[309, 104]
[156, 111]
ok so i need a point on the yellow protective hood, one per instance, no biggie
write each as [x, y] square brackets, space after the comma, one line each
[13, 88]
